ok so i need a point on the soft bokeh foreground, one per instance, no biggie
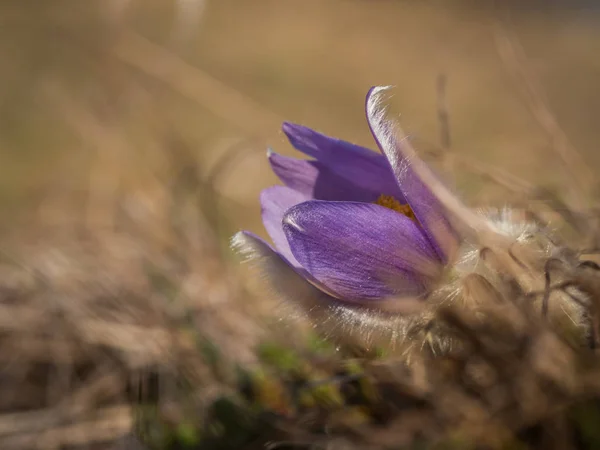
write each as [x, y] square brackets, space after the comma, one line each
[133, 138]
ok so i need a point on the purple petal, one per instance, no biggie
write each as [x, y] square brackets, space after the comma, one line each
[254, 247]
[275, 201]
[289, 281]
[292, 286]
[427, 208]
[315, 180]
[360, 165]
[361, 251]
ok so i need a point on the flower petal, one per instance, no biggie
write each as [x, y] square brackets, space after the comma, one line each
[316, 180]
[293, 287]
[364, 167]
[275, 201]
[361, 251]
[427, 208]
[289, 282]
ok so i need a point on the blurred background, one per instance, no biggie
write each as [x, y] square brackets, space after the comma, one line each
[132, 146]
[96, 98]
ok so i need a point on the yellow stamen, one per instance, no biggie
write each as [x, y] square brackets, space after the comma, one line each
[387, 201]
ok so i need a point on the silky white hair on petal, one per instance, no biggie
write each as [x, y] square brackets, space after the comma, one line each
[387, 322]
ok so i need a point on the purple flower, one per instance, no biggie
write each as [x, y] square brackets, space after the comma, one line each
[358, 225]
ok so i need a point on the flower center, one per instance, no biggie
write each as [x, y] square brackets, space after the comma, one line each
[387, 201]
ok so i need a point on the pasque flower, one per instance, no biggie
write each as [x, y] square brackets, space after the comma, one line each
[357, 233]
[359, 225]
